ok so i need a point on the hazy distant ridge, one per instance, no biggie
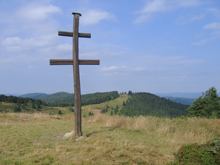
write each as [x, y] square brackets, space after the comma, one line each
[185, 101]
[33, 95]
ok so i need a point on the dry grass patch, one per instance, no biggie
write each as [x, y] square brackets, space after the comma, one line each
[106, 139]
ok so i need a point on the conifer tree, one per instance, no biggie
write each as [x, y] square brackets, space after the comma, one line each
[207, 105]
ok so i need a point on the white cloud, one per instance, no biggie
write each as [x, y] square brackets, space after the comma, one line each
[64, 47]
[28, 31]
[109, 68]
[199, 17]
[204, 41]
[37, 12]
[119, 69]
[156, 6]
[215, 12]
[29, 19]
[214, 25]
[187, 3]
[14, 44]
[95, 16]
[99, 51]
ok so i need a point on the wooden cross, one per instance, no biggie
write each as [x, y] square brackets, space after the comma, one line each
[75, 62]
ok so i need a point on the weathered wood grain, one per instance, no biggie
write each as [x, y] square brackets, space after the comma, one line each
[70, 34]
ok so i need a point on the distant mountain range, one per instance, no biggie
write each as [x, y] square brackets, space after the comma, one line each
[64, 98]
[181, 95]
[33, 95]
[184, 98]
[185, 101]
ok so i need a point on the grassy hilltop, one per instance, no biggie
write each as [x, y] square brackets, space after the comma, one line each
[37, 138]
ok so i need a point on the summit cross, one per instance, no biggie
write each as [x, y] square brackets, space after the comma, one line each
[75, 62]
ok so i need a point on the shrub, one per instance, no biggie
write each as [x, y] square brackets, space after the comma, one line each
[91, 113]
[16, 109]
[59, 112]
[208, 153]
[71, 109]
[104, 110]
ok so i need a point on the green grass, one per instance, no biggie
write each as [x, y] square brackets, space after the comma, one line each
[38, 139]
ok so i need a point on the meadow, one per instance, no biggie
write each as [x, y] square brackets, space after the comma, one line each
[37, 138]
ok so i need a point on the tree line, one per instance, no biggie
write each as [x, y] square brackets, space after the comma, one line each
[22, 103]
[66, 99]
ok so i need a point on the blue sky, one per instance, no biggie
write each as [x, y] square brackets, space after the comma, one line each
[156, 46]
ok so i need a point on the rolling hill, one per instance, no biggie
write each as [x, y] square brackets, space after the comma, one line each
[147, 104]
[33, 95]
[59, 97]
[135, 104]
[67, 99]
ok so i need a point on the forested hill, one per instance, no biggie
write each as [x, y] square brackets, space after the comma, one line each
[67, 99]
[148, 104]
[59, 97]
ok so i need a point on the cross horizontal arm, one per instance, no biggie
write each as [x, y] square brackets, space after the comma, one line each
[70, 34]
[70, 62]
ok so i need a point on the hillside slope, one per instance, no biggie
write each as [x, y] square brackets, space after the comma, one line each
[67, 99]
[63, 97]
[148, 104]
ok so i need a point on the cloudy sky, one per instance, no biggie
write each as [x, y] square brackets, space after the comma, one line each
[156, 46]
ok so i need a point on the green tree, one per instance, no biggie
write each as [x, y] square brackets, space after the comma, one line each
[116, 109]
[124, 103]
[22, 106]
[91, 113]
[17, 108]
[207, 105]
[38, 105]
[71, 109]
[103, 111]
[59, 112]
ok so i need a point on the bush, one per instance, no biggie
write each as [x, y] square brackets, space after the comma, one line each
[208, 153]
[59, 112]
[91, 113]
[71, 109]
[16, 109]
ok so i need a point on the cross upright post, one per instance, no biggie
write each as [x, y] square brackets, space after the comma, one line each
[77, 92]
[76, 62]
